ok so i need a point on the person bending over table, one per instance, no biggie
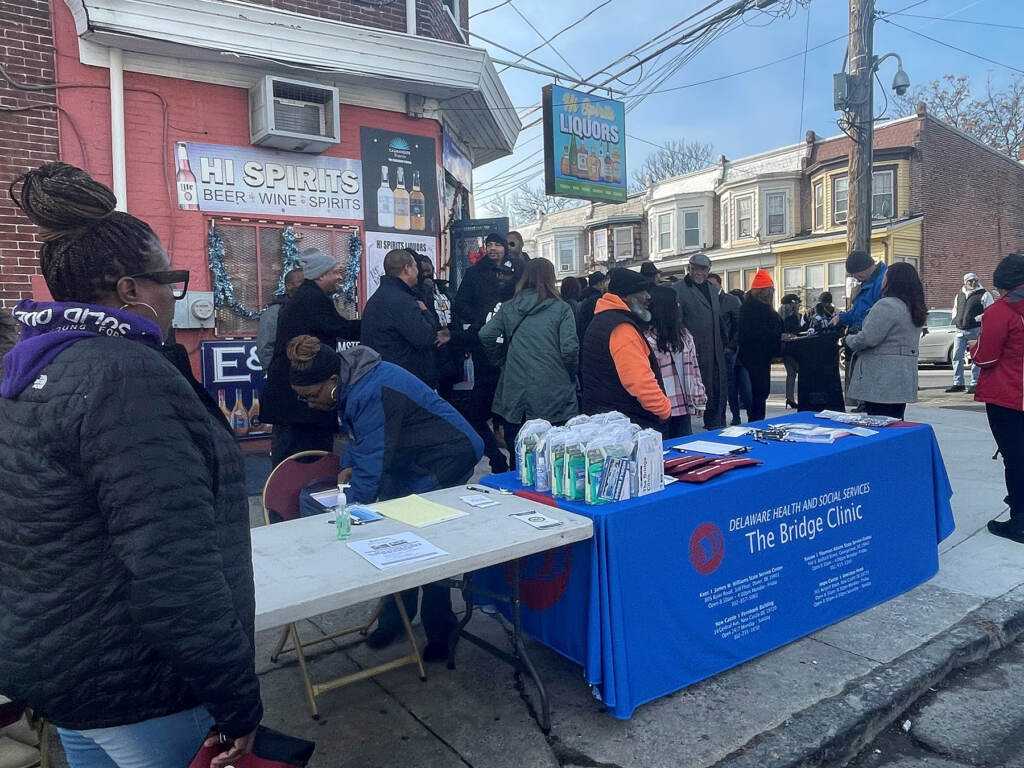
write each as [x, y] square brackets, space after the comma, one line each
[404, 439]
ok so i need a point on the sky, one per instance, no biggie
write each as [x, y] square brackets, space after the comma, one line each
[747, 113]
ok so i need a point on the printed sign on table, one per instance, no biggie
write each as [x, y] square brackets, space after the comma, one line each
[401, 182]
[233, 377]
[584, 145]
[225, 179]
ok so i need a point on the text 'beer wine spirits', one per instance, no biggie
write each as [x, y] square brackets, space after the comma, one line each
[239, 416]
[188, 191]
[417, 205]
[401, 201]
[385, 200]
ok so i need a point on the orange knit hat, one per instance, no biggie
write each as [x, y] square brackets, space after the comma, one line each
[762, 280]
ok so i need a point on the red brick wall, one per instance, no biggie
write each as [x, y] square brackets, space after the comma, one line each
[973, 201]
[27, 139]
[390, 16]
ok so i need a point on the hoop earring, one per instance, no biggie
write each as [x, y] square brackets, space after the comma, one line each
[334, 394]
[141, 303]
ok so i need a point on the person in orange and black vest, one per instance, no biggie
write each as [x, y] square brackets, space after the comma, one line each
[619, 371]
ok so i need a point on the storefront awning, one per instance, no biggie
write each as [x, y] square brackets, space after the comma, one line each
[474, 100]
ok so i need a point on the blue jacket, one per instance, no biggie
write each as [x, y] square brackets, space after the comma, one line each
[870, 292]
[405, 438]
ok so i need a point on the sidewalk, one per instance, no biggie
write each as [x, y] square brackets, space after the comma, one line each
[813, 702]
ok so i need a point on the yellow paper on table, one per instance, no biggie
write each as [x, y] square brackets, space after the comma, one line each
[417, 511]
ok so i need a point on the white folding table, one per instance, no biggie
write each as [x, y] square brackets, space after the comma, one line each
[301, 570]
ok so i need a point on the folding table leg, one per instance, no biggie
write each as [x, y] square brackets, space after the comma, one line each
[524, 657]
[408, 633]
[279, 649]
[310, 694]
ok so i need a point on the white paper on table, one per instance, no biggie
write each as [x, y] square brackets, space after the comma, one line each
[397, 549]
[735, 431]
[863, 431]
[706, 446]
[479, 500]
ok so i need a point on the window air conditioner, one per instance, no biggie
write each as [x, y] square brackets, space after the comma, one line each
[293, 115]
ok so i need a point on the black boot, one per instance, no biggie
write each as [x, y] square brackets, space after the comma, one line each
[1007, 530]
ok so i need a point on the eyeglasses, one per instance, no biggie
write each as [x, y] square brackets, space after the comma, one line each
[177, 279]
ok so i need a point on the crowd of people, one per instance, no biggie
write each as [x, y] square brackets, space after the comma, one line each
[147, 562]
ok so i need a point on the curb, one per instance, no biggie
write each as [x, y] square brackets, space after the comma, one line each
[832, 732]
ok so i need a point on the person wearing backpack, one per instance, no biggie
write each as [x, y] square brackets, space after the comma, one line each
[532, 339]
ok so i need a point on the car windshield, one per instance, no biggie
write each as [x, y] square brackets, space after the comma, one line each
[939, 319]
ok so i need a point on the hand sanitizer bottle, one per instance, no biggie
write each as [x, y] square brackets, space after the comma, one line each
[342, 519]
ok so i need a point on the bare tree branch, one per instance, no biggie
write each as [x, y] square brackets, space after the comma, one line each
[673, 159]
[524, 205]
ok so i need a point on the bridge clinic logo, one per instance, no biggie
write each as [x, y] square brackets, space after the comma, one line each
[707, 548]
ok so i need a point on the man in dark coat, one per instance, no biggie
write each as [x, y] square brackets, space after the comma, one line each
[267, 332]
[397, 324]
[485, 285]
[730, 314]
[702, 316]
[311, 311]
[597, 285]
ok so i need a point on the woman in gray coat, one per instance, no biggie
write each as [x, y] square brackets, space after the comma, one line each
[885, 376]
[532, 338]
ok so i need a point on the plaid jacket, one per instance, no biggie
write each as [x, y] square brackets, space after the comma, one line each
[680, 376]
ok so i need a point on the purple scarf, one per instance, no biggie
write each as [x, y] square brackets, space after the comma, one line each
[48, 328]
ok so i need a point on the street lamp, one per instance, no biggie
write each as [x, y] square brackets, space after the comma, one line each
[901, 81]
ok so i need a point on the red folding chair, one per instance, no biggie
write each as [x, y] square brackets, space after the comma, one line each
[281, 503]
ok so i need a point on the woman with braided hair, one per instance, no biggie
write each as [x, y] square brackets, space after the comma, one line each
[404, 438]
[127, 609]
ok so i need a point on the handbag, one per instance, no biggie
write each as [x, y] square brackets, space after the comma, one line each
[308, 506]
[271, 749]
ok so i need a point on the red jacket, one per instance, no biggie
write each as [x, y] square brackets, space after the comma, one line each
[1000, 352]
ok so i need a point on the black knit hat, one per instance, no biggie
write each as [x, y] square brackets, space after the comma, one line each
[649, 270]
[858, 261]
[494, 237]
[623, 282]
[326, 364]
[1009, 272]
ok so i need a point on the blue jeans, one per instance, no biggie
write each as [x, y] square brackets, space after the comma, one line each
[161, 742]
[962, 339]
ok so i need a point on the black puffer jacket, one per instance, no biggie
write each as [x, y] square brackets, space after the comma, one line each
[126, 588]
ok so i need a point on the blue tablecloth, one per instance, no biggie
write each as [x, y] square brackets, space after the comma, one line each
[680, 585]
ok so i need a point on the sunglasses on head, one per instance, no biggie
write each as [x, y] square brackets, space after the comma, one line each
[177, 279]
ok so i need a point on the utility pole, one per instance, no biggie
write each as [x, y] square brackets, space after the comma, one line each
[859, 114]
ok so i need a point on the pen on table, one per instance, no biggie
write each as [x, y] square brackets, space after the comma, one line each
[477, 488]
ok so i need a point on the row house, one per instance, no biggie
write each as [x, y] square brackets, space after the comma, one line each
[590, 236]
[941, 201]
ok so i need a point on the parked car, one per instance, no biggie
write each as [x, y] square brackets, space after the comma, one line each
[938, 336]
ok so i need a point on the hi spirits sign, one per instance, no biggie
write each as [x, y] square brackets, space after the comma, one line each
[584, 145]
[225, 179]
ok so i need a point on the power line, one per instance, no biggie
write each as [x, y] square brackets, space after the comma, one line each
[803, 80]
[949, 45]
[488, 10]
[547, 41]
[956, 21]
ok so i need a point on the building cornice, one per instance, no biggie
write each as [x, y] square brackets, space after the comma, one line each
[460, 77]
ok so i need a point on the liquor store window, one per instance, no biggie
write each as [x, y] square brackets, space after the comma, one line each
[623, 241]
[840, 199]
[601, 246]
[744, 216]
[664, 231]
[253, 259]
[691, 229]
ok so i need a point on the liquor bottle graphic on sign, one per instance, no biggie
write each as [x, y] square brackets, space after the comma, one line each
[582, 162]
[223, 405]
[188, 192]
[401, 201]
[385, 200]
[417, 205]
[573, 152]
[255, 425]
[239, 416]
